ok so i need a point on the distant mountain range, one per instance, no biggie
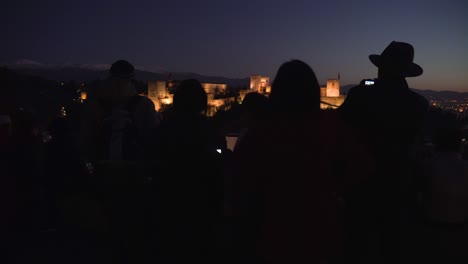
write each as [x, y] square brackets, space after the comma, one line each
[90, 72]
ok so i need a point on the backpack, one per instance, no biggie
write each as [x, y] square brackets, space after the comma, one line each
[119, 139]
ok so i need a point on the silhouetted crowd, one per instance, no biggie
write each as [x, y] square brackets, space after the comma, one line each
[279, 181]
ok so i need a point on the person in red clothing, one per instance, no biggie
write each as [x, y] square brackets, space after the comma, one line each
[291, 171]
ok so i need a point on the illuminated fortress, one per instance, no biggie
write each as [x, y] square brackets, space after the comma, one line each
[160, 93]
[330, 95]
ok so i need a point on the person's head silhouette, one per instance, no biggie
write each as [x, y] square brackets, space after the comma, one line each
[122, 69]
[120, 81]
[255, 105]
[190, 98]
[295, 88]
[396, 61]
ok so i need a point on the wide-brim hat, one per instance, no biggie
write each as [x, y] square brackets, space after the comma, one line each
[398, 56]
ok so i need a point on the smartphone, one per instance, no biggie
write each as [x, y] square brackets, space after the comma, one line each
[231, 141]
[369, 82]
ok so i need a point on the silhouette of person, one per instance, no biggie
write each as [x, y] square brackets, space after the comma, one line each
[63, 170]
[117, 131]
[447, 195]
[388, 104]
[117, 100]
[188, 180]
[8, 194]
[255, 107]
[21, 183]
[289, 172]
[390, 118]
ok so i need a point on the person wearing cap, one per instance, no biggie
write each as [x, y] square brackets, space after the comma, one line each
[389, 118]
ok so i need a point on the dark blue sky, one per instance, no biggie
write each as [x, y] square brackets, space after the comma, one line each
[238, 38]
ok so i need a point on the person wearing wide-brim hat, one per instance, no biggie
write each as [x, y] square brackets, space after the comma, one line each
[390, 90]
[389, 118]
[397, 60]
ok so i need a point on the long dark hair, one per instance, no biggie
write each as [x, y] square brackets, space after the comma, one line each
[295, 88]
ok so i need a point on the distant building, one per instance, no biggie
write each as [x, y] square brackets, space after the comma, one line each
[260, 84]
[330, 95]
[214, 104]
[214, 88]
[333, 88]
[158, 92]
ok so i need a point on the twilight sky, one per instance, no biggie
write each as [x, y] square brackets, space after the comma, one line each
[242, 37]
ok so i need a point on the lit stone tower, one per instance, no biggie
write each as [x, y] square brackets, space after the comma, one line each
[255, 82]
[157, 90]
[333, 88]
[330, 95]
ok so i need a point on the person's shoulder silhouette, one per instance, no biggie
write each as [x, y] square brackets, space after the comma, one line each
[255, 105]
[187, 127]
